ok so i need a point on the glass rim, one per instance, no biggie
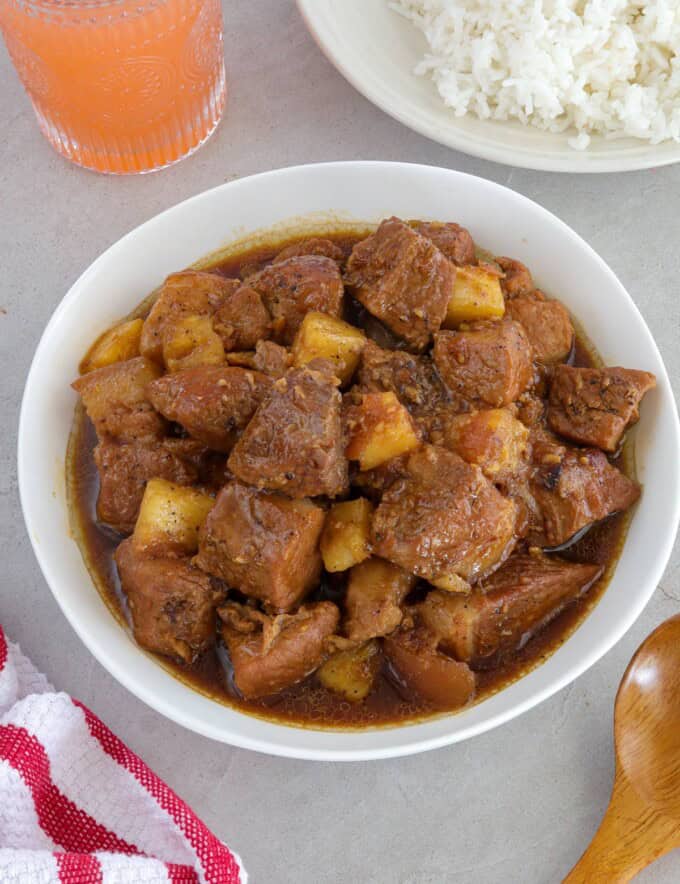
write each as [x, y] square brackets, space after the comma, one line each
[83, 5]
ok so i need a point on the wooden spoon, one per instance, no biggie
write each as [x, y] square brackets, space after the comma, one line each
[642, 821]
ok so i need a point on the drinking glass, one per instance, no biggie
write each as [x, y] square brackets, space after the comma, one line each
[120, 85]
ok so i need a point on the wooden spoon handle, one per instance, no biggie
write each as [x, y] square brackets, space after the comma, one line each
[631, 836]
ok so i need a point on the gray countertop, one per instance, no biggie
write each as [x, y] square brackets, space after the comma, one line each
[518, 804]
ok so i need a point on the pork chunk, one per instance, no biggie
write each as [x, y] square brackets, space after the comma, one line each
[242, 319]
[575, 488]
[596, 406]
[547, 325]
[424, 670]
[125, 468]
[506, 609]
[116, 401]
[413, 379]
[293, 287]
[272, 359]
[403, 279]
[264, 545]
[272, 653]
[490, 363]
[313, 246]
[294, 442]
[212, 403]
[375, 482]
[373, 600]
[451, 239]
[517, 280]
[444, 519]
[269, 358]
[172, 604]
[189, 293]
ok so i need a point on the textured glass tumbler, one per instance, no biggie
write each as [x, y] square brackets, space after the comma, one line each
[120, 86]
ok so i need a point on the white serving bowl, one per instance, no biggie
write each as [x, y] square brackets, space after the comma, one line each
[376, 50]
[500, 220]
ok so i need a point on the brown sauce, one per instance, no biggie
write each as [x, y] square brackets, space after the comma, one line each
[308, 704]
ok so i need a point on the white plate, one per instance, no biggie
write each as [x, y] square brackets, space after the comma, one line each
[376, 50]
[499, 219]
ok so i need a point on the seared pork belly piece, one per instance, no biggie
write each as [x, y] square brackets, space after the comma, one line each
[574, 488]
[426, 671]
[595, 406]
[313, 246]
[488, 363]
[451, 239]
[505, 609]
[375, 592]
[116, 400]
[374, 483]
[294, 443]
[241, 320]
[517, 280]
[530, 410]
[272, 359]
[413, 379]
[213, 403]
[172, 603]
[444, 520]
[403, 279]
[271, 653]
[268, 357]
[125, 468]
[264, 545]
[291, 288]
[547, 325]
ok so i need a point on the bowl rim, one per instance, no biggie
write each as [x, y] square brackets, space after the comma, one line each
[646, 156]
[402, 745]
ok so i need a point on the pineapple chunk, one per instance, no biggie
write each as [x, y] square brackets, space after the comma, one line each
[169, 518]
[325, 337]
[477, 294]
[351, 673]
[380, 428]
[344, 541]
[190, 341]
[118, 344]
[492, 439]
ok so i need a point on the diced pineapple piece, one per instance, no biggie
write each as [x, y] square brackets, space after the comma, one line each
[241, 358]
[380, 428]
[325, 337]
[451, 583]
[351, 673]
[190, 341]
[169, 518]
[477, 294]
[492, 439]
[344, 541]
[118, 344]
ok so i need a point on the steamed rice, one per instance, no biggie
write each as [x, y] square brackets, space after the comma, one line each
[606, 67]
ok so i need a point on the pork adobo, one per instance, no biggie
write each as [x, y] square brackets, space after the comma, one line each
[352, 479]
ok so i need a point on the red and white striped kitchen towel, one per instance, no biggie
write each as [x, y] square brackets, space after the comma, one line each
[78, 807]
